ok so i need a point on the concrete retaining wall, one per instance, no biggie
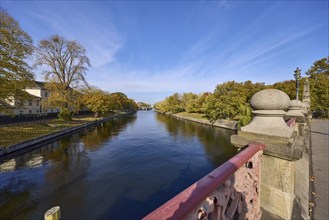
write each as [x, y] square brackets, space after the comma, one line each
[223, 123]
[56, 135]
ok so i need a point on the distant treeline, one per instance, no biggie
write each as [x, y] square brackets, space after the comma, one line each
[230, 100]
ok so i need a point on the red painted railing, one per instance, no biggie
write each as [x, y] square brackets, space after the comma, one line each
[229, 191]
[291, 122]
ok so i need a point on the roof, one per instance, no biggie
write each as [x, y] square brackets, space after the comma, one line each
[42, 85]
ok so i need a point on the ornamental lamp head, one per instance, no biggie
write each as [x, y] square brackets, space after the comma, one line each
[297, 74]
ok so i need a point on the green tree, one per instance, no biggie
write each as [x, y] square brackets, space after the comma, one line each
[287, 86]
[244, 116]
[162, 106]
[190, 102]
[319, 86]
[175, 103]
[120, 101]
[131, 105]
[15, 47]
[225, 101]
[251, 88]
[66, 63]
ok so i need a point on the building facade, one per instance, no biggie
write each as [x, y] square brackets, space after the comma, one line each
[33, 104]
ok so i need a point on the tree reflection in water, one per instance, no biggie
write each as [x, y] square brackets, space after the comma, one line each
[216, 141]
[60, 168]
[133, 163]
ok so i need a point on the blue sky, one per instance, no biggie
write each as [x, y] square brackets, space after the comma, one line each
[151, 49]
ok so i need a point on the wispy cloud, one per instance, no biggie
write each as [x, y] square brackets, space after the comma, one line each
[102, 42]
[137, 48]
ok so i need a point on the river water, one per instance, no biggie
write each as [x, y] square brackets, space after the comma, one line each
[123, 169]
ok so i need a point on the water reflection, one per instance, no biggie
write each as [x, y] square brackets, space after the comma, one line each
[105, 132]
[54, 174]
[216, 141]
[122, 169]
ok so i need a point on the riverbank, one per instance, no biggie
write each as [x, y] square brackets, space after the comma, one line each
[19, 132]
[53, 133]
[199, 118]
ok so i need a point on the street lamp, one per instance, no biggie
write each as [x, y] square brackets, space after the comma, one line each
[297, 77]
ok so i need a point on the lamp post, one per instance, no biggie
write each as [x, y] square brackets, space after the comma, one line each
[297, 77]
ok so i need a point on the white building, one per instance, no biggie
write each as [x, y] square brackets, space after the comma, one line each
[38, 89]
[32, 104]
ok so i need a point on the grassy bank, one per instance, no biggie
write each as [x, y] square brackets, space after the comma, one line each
[192, 115]
[19, 133]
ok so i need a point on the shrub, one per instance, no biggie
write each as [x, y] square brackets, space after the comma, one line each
[65, 114]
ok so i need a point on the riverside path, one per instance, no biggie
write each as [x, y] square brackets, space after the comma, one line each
[320, 156]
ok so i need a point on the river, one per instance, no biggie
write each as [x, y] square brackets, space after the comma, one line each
[122, 169]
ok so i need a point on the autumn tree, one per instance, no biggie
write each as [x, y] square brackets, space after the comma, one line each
[15, 47]
[66, 64]
[97, 101]
[118, 100]
[319, 86]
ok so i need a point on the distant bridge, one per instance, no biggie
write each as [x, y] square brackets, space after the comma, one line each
[145, 108]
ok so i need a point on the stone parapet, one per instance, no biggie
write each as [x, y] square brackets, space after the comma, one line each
[283, 181]
[280, 147]
[295, 111]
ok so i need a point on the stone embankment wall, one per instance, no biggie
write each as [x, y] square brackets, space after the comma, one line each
[53, 136]
[223, 123]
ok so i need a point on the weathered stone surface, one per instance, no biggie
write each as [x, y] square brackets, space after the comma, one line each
[277, 186]
[270, 99]
[281, 147]
[295, 111]
[269, 108]
[272, 126]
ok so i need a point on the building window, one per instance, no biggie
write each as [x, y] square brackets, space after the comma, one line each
[20, 112]
[37, 111]
[51, 110]
[30, 111]
[46, 94]
[30, 102]
[38, 102]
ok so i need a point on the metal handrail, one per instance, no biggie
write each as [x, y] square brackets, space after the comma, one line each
[186, 201]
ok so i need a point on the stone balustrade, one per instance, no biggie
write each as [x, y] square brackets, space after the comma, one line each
[284, 178]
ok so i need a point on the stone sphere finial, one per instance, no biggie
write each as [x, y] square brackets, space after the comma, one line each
[295, 111]
[270, 99]
[269, 106]
[295, 104]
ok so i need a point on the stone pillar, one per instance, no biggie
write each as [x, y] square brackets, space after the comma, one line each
[295, 111]
[306, 105]
[306, 95]
[282, 150]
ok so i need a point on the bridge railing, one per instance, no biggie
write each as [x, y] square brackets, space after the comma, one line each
[230, 191]
[291, 122]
